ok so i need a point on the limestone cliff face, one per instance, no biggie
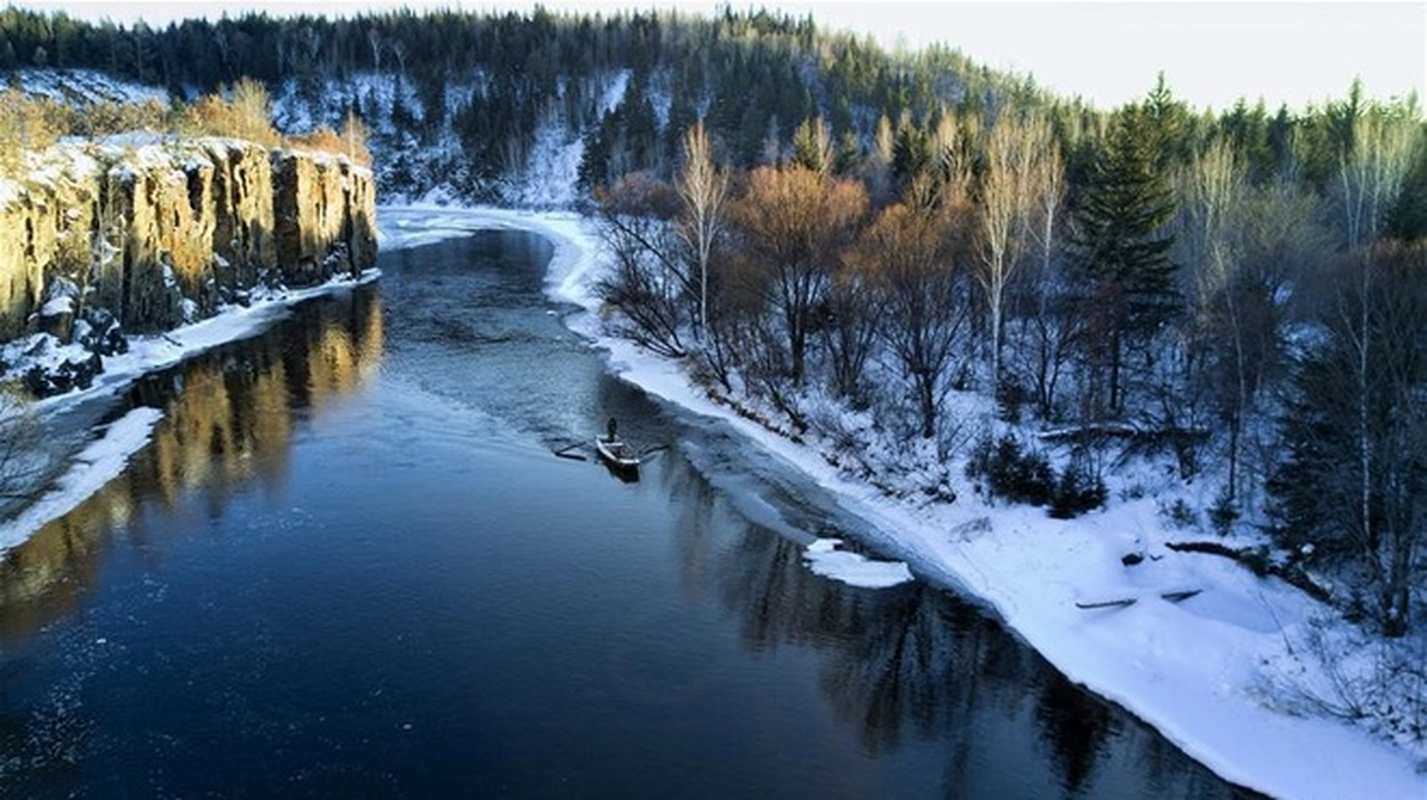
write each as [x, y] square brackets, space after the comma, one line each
[163, 233]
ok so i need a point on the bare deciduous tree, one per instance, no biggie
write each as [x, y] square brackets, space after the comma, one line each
[647, 283]
[1015, 153]
[1211, 211]
[795, 225]
[1368, 511]
[1376, 145]
[907, 253]
[1375, 153]
[1049, 344]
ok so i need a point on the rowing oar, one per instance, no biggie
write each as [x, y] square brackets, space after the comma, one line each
[564, 452]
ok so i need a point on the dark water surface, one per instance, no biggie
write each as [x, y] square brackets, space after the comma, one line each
[348, 565]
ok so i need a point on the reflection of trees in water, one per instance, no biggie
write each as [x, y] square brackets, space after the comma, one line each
[228, 421]
[1076, 727]
[914, 661]
[699, 512]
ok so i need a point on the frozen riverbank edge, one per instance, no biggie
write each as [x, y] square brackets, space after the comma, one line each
[1217, 673]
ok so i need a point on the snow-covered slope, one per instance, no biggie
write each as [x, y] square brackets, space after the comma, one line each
[80, 86]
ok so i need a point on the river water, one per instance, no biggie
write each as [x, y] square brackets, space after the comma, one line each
[350, 565]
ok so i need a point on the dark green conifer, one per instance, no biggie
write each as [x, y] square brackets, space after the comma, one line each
[1120, 251]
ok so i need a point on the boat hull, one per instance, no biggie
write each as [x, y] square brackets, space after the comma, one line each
[616, 453]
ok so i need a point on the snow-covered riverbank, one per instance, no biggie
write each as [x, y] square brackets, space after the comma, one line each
[1223, 673]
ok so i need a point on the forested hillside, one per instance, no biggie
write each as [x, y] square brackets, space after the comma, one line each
[473, 103]
[872, 247]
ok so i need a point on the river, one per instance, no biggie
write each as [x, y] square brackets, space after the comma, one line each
[349, 564]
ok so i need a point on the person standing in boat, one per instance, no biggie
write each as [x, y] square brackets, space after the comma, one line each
[612, 430]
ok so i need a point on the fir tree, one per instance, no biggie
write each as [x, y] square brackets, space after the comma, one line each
[1121, 251]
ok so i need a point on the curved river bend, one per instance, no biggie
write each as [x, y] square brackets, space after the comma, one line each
[349, 565]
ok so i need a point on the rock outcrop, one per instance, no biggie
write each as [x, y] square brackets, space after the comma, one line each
[104, 237]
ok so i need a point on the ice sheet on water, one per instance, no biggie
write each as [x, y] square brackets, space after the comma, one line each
[824, 559]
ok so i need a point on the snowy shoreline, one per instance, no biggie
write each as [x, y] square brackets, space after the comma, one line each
[1216, 673]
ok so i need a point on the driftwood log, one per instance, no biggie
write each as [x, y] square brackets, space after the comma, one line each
[1256, 560]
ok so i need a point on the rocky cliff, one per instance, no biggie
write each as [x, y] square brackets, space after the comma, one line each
[105, 238]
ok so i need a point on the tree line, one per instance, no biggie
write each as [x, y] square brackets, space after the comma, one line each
[1242, 295]
[488, 82]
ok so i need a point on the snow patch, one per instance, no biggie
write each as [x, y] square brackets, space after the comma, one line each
[96, 465]
[85, 86]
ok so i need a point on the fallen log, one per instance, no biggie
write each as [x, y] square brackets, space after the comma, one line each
[1258, 562]
[1117, 603]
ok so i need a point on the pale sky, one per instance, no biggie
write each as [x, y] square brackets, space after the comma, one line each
[1212, 53]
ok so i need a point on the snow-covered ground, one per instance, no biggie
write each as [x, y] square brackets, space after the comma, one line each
[85, 86]
[1229, 674]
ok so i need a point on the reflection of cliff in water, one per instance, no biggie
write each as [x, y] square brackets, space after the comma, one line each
[229, 417]
[915, 664]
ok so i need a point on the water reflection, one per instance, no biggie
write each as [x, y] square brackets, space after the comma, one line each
[228, 424]
[914, 664]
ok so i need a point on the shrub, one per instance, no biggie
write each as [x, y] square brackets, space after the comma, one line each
[1224, 513]
[352, 141]
[1011, 472]
[1181, 515]
[1079, 490]
[247, 115]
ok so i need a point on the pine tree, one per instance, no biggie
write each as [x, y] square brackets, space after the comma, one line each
[1121, 251]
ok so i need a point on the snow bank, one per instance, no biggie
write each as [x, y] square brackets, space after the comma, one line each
[102, 461]
[1206, 670]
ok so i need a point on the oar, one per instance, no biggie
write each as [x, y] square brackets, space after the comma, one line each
[564, 452]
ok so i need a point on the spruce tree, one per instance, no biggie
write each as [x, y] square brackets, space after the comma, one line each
[1120, 249]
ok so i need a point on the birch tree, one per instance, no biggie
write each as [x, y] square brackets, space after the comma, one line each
[1015, 152]
[1049, 188]
[1376, 148]
[1212, 210]
[1353, 492]
[703, 188]
[1376, 144]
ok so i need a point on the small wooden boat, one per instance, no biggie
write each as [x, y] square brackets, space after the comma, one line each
[616, 453]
